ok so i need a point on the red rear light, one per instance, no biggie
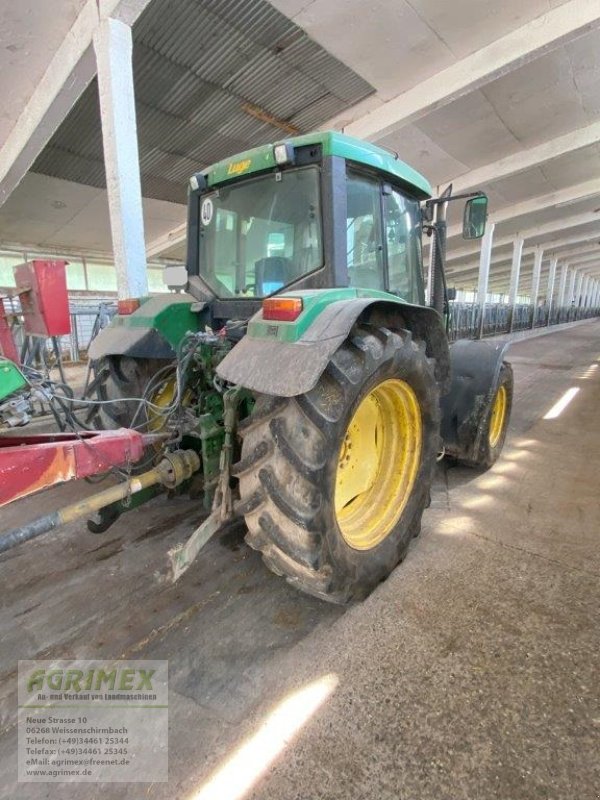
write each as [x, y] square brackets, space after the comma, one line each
[282, 309]
[127, 306]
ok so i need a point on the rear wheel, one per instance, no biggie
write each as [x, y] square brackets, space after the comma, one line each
[122, 381]
[334, 482]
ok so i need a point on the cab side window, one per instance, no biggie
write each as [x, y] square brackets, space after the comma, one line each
[364, 233]
[403, 239]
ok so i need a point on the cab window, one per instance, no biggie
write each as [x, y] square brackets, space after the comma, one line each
[364, 240]
[402, 220]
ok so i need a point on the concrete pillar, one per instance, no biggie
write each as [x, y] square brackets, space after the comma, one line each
[485, 257]
[591, 293]
[535, 282]
[562, 286]
[515, 272]
[113, 46]
[550, 292]
[584, 291]
[571, 290]
[578, 285]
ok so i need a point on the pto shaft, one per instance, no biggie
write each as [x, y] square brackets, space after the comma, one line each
[172, 470]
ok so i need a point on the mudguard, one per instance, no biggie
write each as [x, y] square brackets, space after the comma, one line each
[154, 330]
[475, 372]
[271, 361]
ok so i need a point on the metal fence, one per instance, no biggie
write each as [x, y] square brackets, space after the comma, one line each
[89, 316]
[499, 318]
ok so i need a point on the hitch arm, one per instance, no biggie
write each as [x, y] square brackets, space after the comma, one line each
[223, 510]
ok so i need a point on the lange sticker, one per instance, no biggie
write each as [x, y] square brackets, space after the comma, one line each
[206, 211]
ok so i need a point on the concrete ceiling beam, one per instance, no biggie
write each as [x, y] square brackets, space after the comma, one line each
[592, 251]
[168, 240]
[527, 159]
[551, 200]
[465, 252]
[69, 73]
[517, 48]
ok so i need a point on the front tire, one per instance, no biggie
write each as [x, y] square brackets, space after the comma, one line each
[336, 521]
[495, 424]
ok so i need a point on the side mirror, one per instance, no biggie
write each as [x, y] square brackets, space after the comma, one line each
[475, 217]
[451, 293]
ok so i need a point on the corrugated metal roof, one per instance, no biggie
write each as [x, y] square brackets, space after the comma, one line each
[196, 64]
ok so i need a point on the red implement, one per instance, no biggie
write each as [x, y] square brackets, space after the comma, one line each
[7, 343]
[31, 463]
[42, 290]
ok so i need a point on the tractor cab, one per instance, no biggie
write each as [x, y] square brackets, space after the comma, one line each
[318, 211]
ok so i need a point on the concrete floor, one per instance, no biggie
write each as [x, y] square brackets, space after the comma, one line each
[472, 672]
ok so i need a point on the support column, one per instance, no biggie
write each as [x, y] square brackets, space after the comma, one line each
[550, 292]
[535, 282]
[113, 46]
[571, 294]
[515, 271]
[485, 257]
[578, 285]
[584, 291]
[562, 286]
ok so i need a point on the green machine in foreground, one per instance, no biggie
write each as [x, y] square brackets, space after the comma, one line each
[303, 364]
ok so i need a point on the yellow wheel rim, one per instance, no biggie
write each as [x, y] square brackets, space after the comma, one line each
[498, 417]
[163, 399]
[378, 464]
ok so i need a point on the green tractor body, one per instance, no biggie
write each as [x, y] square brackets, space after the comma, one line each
[304, 361]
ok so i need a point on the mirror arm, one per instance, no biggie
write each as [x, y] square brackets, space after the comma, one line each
[433, 201]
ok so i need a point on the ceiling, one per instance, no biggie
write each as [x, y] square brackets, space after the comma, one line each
[30, 33]
[204, 71]
[198, 63]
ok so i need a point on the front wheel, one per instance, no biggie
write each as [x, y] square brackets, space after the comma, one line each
[493, 430]
[335, 481]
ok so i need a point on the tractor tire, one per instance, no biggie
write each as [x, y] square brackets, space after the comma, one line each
[336, 534]
[119, 378]
[495, 424]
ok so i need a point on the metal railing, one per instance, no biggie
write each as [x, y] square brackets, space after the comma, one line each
[498, 318]
[88, 317]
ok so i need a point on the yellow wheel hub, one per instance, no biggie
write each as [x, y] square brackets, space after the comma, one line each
[378, 463]
[498, 417]
[161, 399]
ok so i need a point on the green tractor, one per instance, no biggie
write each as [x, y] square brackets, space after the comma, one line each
[302, 362]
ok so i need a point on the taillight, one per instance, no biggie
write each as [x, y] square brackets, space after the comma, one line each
[282, 309]
[127, 306]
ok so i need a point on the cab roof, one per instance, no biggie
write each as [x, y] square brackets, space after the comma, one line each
[332, 144]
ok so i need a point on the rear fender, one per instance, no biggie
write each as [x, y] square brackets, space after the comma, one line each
[154, 330]
[475, 369]
[286, 368]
